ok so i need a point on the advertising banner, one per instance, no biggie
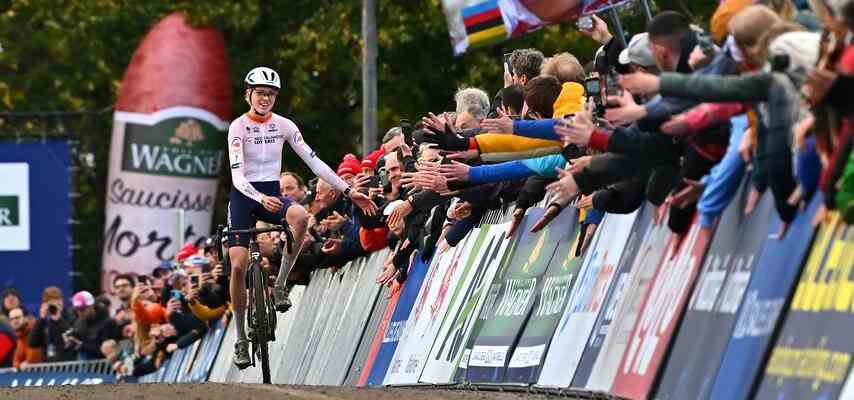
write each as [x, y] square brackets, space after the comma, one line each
[553, 294]
[646, 264]
[387, 339]
[168, 145]
[15, 207]
[720, 287]
[625, 275]
[366, 340]
[494, 344]
[35, 210]
[812, 355]
[588, 296]
[457, 324]
[478, 23]
[660, 313]
[765, 301]
[448, 269]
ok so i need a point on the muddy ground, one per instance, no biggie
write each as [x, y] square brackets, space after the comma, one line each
[217, 391]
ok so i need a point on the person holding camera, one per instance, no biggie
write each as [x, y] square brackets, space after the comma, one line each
[53, 321]
[91, 328]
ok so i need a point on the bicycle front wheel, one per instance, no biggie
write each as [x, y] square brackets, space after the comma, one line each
[259, 289]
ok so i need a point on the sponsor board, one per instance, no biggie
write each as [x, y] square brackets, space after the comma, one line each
[159, 163]
[447, 351]
[660, 313]
[553, 294]
[389, 335]
[760, 314]
[646, 264]
[711, 311]
[15, 206]
[588, 296]
[448, 269]
[511, 299]
[812, 354]
[620, 290]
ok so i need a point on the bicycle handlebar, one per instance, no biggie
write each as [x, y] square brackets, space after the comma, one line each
[254, 231]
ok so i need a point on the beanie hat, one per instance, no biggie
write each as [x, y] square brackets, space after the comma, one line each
[82, 299]
[188, 250]
[370, 160]
[349, 165]
[802, 51]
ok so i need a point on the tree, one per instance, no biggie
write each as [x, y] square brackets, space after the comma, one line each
[71, 56]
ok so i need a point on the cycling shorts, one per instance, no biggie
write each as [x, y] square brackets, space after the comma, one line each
[244, 213]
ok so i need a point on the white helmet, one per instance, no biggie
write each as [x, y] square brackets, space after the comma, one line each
[263, 76]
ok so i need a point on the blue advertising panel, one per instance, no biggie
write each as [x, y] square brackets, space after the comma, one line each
[35, 210]
[408, 295]
[761, 311]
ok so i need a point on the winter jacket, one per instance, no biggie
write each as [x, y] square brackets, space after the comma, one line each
[47, 336]
[7, 344]
[93, 331]
[23, 350]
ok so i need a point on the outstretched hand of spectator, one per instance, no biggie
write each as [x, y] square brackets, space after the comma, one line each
[463, 155]
[576, 165]
[502, 124]
[689, 194]
[444, 136]
[565, 188]
[626, 112]
[331, 246]
[515, 221]
[599, 31]
[171, 347]
[363, 202]
[334, 222]
[577, 130]
[640, 83]
[676, 126]
[399, 213]
[455, 171]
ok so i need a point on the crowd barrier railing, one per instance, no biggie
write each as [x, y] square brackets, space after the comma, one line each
[619, 314]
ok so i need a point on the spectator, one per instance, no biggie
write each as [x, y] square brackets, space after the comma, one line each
[527, 64]
[24, 354]
[91, 328]
[11, 299]
[123, 289]
[53, 321]
[472, 107]
[7, 343]
[292, 186]
[146, 313]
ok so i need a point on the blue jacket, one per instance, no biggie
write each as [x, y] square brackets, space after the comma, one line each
[518, 169]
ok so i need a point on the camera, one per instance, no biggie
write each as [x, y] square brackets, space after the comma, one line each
[585, 23]
[52, 309]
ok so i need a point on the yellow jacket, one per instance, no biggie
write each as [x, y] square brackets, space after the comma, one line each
[496, 147]
[206, 313]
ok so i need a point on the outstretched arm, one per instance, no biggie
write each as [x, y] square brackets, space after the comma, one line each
[236, 138]
[316, 164]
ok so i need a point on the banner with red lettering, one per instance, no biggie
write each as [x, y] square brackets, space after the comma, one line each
[660, 313]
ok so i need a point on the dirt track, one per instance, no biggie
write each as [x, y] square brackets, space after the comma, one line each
[216, 391]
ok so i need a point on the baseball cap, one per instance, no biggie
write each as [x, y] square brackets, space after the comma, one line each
[82, 299]
[162, 268]
[637, 52]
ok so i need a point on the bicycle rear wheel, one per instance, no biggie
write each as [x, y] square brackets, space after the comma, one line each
[259, 289]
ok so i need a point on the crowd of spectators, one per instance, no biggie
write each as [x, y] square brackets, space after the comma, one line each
[678, 117]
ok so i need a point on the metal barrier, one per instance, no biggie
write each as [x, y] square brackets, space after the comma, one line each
[66, 367]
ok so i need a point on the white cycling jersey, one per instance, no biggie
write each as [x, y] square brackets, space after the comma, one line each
[255, 153]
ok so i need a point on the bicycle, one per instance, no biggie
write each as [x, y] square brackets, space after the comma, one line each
[260, 313]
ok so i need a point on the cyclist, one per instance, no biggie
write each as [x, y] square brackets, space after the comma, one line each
[255, 141]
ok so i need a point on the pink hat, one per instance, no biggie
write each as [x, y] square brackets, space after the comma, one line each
[370, 160]
[82, 299]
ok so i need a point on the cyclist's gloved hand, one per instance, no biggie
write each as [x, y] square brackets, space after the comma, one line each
[446, 140]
